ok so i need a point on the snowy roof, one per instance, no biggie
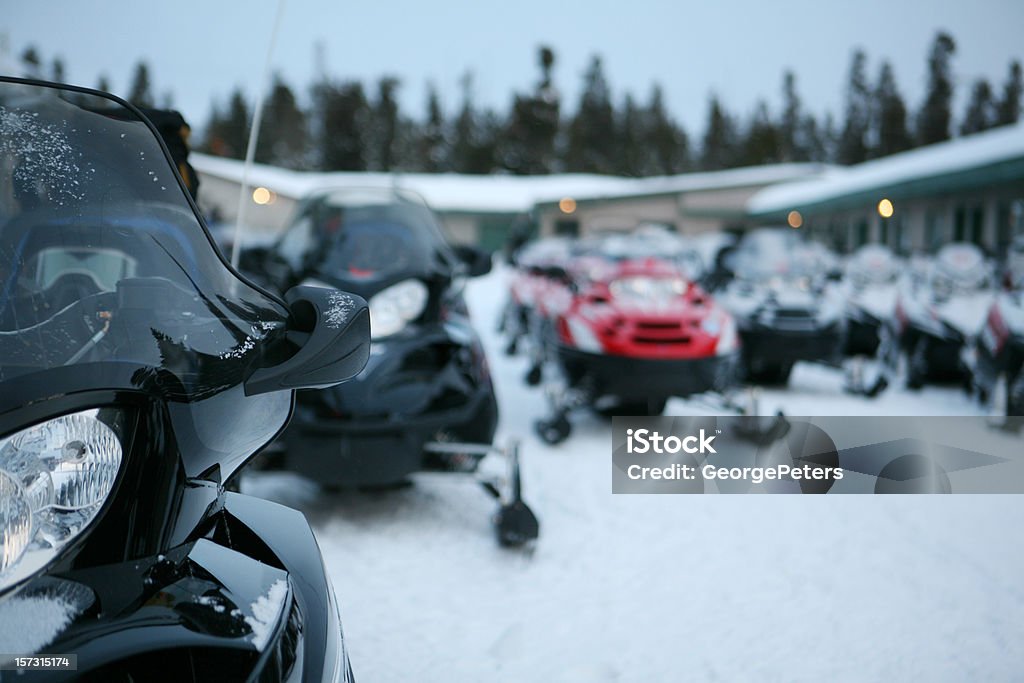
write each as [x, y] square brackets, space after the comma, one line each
[453, 192]
[943, 159]
[769, 174]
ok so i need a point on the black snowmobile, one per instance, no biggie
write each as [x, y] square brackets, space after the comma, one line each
[785, 308]
[425, 401]
[938, 315]
[138, 374]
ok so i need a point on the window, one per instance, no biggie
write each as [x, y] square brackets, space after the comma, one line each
[977, 226]
[567, 228]
[960, 224]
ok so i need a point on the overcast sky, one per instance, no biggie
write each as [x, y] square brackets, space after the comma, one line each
[199, 50]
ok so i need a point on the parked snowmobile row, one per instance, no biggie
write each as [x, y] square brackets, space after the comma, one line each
[628, 320]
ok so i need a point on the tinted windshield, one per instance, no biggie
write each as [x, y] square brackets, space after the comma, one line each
[667, 248]
[102, 258]
[366, 234]
[961, 267]
[770, 253]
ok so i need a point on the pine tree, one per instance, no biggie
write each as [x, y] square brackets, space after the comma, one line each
[32, 61]
[815, 139]
[432, 144]
[528, 142]
[890, 116]
[103, 83]
[1008, 110]
[665, 143]
[792, 127]
[140, 93]
[228, 134]
[284, 136]
[852, 145]
[763, 141]
[383, 130]
[633, 157]
[57, 72]
[935, 115]
[591, 134]
[830, 138]
[719, 148]
[475, 136]
[981, 109]
[341, 137]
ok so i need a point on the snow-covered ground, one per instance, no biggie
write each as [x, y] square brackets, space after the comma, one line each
[670, 588]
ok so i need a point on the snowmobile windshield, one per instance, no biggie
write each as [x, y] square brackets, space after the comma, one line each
[662, 246]
[103, 262]
[776, 255]
[960, 269]
[872, 264]
[377, 236]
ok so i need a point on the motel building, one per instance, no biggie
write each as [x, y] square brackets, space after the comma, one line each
[689, 203]
[485, 209]
[969, 189]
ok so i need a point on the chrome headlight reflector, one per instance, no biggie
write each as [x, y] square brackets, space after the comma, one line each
[54, 478]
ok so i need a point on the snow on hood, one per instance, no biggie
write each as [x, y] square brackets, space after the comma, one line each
[966, 313]
[878, 300]
[29, 624]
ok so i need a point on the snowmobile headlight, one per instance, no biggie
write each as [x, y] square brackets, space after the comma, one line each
[393, 308]
[647, 290]
[54, 478]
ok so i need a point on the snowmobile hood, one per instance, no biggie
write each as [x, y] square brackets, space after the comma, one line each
[960, 269]
[877, 300]
[966, 313]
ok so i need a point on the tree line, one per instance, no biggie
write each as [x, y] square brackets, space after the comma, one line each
[344, 125]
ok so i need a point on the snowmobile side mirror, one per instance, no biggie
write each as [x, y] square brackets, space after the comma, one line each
[477, 260]
[331, 329]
